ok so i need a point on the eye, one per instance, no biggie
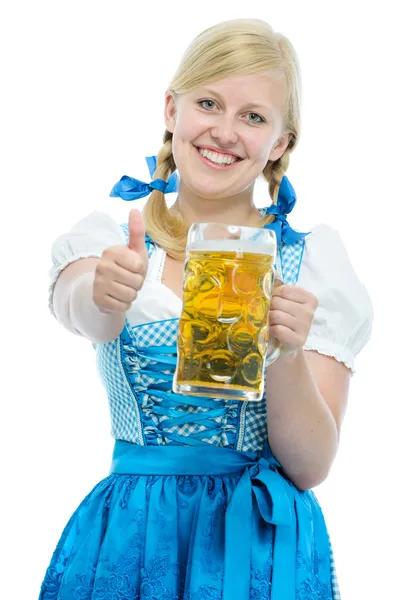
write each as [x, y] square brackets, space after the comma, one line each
[207, 104]
[255, 118]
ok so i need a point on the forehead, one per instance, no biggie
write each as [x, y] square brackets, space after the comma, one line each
[264, 90]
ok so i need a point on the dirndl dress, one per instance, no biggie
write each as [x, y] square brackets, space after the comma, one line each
[195, 506]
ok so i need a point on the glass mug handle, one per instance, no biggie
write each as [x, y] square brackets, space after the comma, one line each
[274, 346]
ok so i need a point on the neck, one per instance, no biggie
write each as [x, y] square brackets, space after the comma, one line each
[235, 210]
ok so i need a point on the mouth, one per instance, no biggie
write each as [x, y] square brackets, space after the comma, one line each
[217, 160]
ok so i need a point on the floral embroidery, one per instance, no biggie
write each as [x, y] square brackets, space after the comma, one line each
[312, 587]
[51, 584]
[130, 485]
[205, 592]
[152, 586]
[261, 578]
[81, 589]
[131, 574]
[113, 587]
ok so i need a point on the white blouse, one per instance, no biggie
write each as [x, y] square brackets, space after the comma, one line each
[342, 322]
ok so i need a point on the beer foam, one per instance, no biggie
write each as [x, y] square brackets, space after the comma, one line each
[237, 246]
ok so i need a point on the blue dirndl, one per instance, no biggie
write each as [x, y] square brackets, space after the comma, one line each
[195, 507]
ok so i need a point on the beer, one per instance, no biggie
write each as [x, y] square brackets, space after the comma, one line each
[223, 329]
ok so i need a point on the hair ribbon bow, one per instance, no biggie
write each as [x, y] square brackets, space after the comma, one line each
[129, 188]
[285, 204]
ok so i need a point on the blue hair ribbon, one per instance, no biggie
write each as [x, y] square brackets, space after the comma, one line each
[129, 188]
[285, 204]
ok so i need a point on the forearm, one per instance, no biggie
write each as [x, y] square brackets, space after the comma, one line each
[75, 309]
[301, 428]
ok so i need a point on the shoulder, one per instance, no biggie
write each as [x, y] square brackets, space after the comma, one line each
[91, 234]
[94, 224]
[323, 236]
[326, 258]
[343, 320]
[326, 261]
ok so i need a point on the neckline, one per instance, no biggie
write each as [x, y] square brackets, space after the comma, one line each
[172, 293]
[156, 270]
[163, 256]
[160, 271]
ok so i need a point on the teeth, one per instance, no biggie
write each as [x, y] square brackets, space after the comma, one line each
[219, 159]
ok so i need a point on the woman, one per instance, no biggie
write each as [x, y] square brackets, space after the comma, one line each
[207, 498]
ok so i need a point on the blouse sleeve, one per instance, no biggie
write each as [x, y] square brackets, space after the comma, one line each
[87, 238]
[343, 320]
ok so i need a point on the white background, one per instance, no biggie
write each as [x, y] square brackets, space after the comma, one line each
[82, 104]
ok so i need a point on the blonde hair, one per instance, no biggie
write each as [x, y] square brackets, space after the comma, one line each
[238, 47]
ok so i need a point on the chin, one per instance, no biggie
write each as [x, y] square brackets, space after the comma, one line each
[212, 193]
[213, 190]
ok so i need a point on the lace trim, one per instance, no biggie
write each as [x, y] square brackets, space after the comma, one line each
[161, 266]
[329, 348]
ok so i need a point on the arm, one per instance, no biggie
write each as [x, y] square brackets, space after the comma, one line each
[75, 309]
[306, 401]
[92, 295]
[327, 314]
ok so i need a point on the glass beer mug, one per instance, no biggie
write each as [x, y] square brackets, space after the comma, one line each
[224, 343]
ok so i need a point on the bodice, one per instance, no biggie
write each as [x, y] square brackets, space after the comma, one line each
[137, 371]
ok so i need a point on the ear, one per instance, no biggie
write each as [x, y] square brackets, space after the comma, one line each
[170, 112]
[278, 149]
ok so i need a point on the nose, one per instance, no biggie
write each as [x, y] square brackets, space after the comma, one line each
[224, 131]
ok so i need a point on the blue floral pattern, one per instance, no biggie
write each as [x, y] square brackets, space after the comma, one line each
[131, 553]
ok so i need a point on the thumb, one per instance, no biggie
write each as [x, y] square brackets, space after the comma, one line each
[137, 233]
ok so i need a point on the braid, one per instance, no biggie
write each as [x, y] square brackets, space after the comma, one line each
[274, 172]
[165, 160]
[164, 227]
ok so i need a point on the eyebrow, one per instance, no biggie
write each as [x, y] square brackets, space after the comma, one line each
[249, 106]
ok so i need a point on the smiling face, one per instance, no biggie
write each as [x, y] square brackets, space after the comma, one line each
[224, 133]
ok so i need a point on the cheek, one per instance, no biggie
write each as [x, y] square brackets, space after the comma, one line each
[258, 148]
[189, 127]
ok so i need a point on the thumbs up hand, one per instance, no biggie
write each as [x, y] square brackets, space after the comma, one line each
[121, 270]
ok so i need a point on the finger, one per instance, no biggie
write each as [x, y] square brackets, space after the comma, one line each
[278, 317]
[136, 232]
[131, 280]
[130, 275]
[288, 306]
[110, 305]
[286, 335]
[120, 266]
[121, 292]
[295, 293]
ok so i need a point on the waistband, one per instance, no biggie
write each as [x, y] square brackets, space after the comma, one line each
[133, 459]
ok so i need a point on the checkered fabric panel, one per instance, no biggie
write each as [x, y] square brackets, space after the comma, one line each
[164, 333]
[125, 419]
[255, 427]
[289, 257]
[291, 261]
[334, 579]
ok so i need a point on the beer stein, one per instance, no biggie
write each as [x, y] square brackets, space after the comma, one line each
[224, 344]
